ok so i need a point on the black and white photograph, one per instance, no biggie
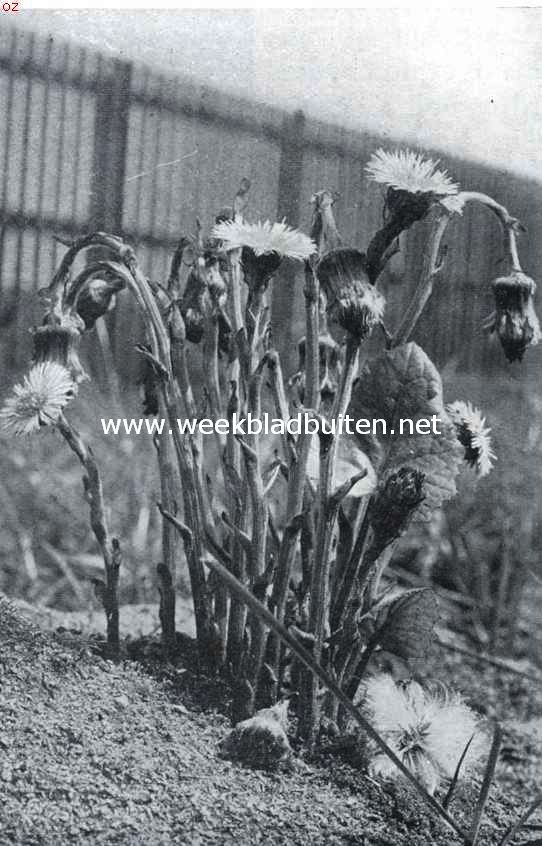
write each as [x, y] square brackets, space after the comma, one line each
[270, 426]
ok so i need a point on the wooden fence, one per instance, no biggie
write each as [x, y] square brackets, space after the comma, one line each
[88, 141]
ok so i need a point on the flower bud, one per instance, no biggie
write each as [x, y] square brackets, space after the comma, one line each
[204, 295]
[514, 319]
[395, 502]
[352, 301]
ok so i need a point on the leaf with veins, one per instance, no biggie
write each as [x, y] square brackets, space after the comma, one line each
[404, 384]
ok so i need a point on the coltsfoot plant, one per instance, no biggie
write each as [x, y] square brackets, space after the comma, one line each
[287, 536]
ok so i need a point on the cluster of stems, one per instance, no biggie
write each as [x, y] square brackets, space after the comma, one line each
[317, 563]
[283, 596]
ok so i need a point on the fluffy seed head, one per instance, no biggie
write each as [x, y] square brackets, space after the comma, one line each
[427, 729]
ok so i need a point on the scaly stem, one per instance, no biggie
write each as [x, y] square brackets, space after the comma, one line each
[241, 340]
[314, 667]
[510, 225]
[319, 590]
[193, 496]
[98, 522]
[238, 504]
[432, 266]
[167, 569]
[257, 557]
[298, 464]
[212, 384]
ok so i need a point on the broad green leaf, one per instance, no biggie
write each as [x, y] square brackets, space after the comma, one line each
[408, 631]
[403, 384]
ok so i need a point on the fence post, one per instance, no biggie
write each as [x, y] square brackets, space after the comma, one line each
[289, 207]
[110, 142]
[111, 118]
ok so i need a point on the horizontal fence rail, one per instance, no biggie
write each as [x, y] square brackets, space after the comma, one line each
[91, 142]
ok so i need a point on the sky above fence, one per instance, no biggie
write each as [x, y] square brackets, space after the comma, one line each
[465, 81]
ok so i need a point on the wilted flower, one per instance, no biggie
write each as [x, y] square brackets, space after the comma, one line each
[264, 245]
[473, 434]
[514, 319]
[45, 390]
[405, 170]
[205, 297]
[352, 301]
[59, 342]
[397, 498]
[427, 730]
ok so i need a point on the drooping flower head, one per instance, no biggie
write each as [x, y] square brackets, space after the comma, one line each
[352, 301]
[263, 245]
[514, 319]
[427, 729]
[58, 340]
[98, 297]
[39, 400]
[473, 434]
[404, 170]
[204, 297]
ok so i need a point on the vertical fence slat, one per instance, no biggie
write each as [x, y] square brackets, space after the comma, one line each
[289, 207]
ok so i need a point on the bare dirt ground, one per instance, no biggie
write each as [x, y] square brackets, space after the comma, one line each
[94, 752]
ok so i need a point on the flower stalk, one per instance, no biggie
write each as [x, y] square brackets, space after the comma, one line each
[109, 546]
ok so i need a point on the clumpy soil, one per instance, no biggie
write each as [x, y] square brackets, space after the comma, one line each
[94, 752]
